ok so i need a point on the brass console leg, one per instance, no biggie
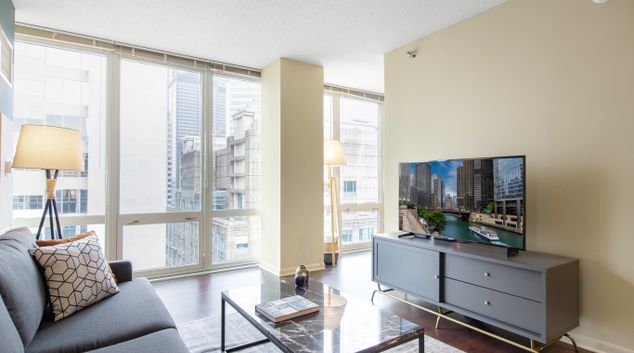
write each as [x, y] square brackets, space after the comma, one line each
[373, 293]
[438, 318]
[378, 286]
[572, 340]
[379, 290]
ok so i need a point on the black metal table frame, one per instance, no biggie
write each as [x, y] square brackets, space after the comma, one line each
[271, 338]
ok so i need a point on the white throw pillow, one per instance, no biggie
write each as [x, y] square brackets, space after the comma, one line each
[76, 274]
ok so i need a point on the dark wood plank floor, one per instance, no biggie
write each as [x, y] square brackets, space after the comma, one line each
[196, 297]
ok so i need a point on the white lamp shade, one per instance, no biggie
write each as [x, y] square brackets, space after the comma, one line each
[48, 147]
[333, 153]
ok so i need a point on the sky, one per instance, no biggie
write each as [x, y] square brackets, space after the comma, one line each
[446, 170]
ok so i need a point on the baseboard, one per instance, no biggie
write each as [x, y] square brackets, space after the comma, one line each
[269, 268]
[311, 267]
[290, 270]
[596, 345]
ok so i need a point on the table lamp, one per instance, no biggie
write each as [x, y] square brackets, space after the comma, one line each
[52, 149]
[333, 157]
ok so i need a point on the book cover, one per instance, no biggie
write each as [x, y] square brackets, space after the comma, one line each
[286, 308]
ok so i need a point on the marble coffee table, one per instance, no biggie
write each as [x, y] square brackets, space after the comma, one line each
[342, 325]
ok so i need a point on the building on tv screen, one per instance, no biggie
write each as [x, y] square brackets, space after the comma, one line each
[480, 200]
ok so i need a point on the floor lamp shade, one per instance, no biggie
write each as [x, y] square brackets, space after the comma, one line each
[48, 147]
[52, 149]
[333, 153]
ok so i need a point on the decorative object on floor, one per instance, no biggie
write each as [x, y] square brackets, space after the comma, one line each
[333, 157]
[76, 273]
[203, 336]
[52, 149]
[301, 276]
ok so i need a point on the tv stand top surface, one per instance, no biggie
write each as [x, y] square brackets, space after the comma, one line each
[524, 259]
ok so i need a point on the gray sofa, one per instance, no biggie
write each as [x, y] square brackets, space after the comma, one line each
[133, 320]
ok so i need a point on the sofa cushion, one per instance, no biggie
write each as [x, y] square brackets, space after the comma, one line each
[9, 336]
[21, 283]
[77, 275]
[164, 341]
[134, 312]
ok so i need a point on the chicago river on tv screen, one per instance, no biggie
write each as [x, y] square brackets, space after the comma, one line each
[478, 200]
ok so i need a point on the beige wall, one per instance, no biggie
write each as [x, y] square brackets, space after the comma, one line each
[271, 105]
[292, 216]
[553, 80]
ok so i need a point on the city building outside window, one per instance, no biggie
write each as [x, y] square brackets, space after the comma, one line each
[350, 186]
[165, 207]
[365, 234]
[346, 235]
[18, 202]
[236, 134]
[65, 88]
[160, 158]
[34, 202]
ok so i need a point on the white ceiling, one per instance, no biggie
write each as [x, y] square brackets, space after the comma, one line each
[347, 37]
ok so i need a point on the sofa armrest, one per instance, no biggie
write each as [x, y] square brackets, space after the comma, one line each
[122, 269]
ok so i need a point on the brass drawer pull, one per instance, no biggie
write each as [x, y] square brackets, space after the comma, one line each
[486, 274]
[436, 276]
[486, 302]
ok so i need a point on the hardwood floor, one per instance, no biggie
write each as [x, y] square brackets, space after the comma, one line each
[196, 297]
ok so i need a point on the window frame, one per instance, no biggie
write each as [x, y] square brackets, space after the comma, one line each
[358, 207]
[76, 220]
[112, 219]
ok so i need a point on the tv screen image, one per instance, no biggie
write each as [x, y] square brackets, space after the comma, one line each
[477, 200]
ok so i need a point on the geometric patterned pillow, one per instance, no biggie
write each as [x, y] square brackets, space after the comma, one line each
[53, 242]
[76, 274]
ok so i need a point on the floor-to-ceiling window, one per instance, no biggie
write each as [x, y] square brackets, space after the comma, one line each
[171, 153]
[235, 223]
[356, 123]
[160, 168]
[66, 88]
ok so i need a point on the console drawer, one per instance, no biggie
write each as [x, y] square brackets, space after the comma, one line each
[522, 313]
[522, 283]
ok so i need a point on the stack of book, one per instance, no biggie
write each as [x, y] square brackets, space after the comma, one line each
[286, 308]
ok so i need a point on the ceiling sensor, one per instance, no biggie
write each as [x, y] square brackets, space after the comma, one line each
[599, 1]
[411, 53]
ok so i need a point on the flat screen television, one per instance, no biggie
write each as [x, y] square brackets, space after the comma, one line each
[479, 200]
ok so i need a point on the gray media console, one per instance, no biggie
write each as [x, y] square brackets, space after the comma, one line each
[532, 294]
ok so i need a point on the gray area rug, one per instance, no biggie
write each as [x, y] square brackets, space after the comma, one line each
[203, 336]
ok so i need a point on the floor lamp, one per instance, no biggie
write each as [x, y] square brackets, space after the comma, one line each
[52, 149]
[333, 157]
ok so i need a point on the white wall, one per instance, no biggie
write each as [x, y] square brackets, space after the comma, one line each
[553, 80]
[6, 181]
[7, 19]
